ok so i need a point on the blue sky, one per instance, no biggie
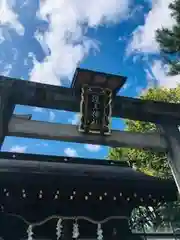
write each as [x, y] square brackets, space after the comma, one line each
[45, 42]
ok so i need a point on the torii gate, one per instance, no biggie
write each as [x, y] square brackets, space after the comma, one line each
[165, 115]
[93, 94]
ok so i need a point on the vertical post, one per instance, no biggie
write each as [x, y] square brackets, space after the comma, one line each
[172, 135]
[6, 107]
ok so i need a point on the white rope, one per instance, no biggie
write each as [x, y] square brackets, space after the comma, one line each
[67, 218]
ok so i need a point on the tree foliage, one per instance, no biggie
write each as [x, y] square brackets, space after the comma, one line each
[151, 163]
[169, 40]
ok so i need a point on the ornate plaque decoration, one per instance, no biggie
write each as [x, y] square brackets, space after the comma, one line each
[95, 109]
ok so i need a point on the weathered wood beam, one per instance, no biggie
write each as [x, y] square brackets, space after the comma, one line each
[53, 131]
[23, 116]
[57, 158]
[172, 136]
[146, 110]
[6, 108]
[47, 96]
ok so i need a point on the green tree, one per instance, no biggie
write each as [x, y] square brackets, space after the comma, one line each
[149, 162]
[169, 40]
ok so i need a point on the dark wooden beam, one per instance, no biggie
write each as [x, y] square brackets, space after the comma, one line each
[146, 110]
[53, 131]
[6, 108]
[47, 96]
[23, 116]
[44, 95]
[172, 136]
[60, 159]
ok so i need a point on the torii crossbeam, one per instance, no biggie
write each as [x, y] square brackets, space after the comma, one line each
[16, 91]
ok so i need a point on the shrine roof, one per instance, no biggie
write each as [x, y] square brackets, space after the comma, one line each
[95, 78]
[112, 176]
[73, 186]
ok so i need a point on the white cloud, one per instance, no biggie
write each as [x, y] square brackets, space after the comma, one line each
[65, 42]
[9, 17]
[38, 109]
[143, 39]
[42, 144]
[75, 120]
[92, 148]
[2, 38]
[70, 152]
[7, 69]
[52, 116]
[31, 58]
[17, 148]
[31, 55]
[159, 72]
[25, 62]
[15, 53]
[24, 3]
[135, 11]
